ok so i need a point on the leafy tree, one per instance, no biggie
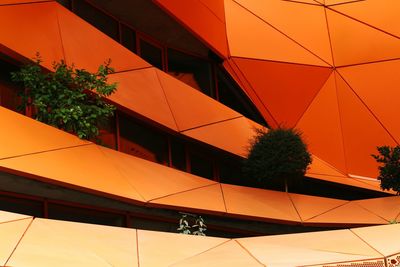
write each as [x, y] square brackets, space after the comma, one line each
[389, 171]
[276, 154]
[70, 99]
[198, 228]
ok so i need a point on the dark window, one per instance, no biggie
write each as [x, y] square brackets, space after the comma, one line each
[141, 141]
[151, 224]
[128, 38]
[97, 18]
[107, 134]
[65, 3]
[178, 154]
[230, 172]
[191, 70]
[231, 95]
[20, 205]
[151, 53]
[76, 214]
[200, 165]
[8, 89]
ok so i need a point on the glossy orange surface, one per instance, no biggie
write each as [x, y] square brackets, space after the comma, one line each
[388, 208]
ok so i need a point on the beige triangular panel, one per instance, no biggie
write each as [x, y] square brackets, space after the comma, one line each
[307, 23]
[208, 198]
[6, 216]
[321, 126]
[229, 254]
[385, 207]
[378, 86]
[307, 208]
[157, 249]
[26, 136]
[362, 132]
[286, 90]
[382, 14]
[190, 107]
[60, 243]
[262, 41]
[11, 233]
[355, 43]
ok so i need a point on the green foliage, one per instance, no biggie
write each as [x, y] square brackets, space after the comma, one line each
[70, 99]
[276, 154]
[198, 228]
[389, 171]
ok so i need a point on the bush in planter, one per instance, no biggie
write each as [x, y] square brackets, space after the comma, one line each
[70, 99]
[389, 171]
[276, 154]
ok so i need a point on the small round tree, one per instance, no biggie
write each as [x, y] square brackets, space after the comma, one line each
[389, 171]
[276, 154]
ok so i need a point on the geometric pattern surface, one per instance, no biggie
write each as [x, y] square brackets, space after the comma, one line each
[47, 242]
[327, 67]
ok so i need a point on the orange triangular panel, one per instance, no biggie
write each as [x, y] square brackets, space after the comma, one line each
[385, 207]
[200, 19]
[362, 132]
[12, 2]
[321, 126]
[307, 23]
[380, 91]
[37, 32]
[84, 167]
[217, 7]
[382, 238]
[141, 92]
[229, 254]
[348, 214]
[55, 243]
[285, 89]
[190, 107]
[143, 175]
[79, 38]
[171, 248]
[253, 202]
[26, 136]
[382, 14]
[10, 216]
[355, 43]
[262, 41]
[311, 206]
[204, 198]
[232, 135]
[11, 233]
[340, 2]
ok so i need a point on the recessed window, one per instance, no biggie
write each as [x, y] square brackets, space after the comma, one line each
[191, 70]
[128, 38]
[151, 53]
[178, 154]
[20, 205]
[107, 134]
[201, 165]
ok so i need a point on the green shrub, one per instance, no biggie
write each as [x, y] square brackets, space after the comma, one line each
[389, 171]
[276, 154]
[70, 99]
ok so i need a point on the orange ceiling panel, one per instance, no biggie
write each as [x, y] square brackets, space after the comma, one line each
[382, 14]
[229, 254]
[261, 203]
[192, 108]
[231, 135]
[59, 243]
[380, 92]
[217, 7]
[286, 98]
[361, 131]
[318, 166]
[315, 2]
[307, 23]
[86, 47]
[354, 42]
[11, 233]
[37, 31]
[382, 238]
[82, 167]
[341, 2]
[158, 249]
[10, 216]
[351, 214]
[203, 21]
[311, 206]
[321, 126]
[253, 43]
[152, 180]
[13, 2]
[208, 198]
[385, 207]
[141, 92]
[26, 136]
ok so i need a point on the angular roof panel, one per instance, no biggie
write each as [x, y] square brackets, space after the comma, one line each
[385, 207]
